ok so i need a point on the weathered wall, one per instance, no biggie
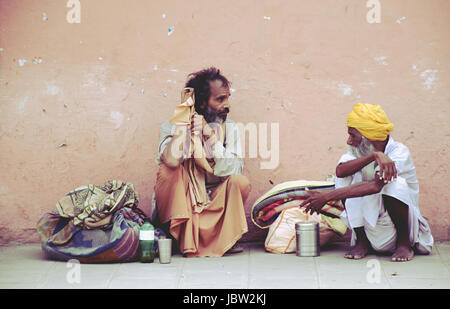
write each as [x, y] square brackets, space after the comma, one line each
[82, 102]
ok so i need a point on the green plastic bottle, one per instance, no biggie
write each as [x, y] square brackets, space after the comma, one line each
[147, 241]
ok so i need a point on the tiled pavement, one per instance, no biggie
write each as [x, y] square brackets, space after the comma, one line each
[24, 266]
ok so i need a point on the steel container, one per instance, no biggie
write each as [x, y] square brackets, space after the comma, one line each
[307, 238]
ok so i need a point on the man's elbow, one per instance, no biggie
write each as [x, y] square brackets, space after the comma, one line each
[340, 172]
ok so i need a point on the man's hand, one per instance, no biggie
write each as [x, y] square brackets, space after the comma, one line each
[388, 171]
[314, 202]
[197, 124]
[200, 126]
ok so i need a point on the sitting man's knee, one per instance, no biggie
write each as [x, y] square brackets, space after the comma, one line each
[395, 207]
[242, 181]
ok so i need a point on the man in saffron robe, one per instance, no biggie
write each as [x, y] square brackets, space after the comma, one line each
[200, 190]
[377, 181]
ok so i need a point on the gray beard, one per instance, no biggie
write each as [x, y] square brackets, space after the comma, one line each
[364, 149]
[211, 116]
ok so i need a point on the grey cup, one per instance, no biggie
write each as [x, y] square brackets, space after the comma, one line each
[165, 250]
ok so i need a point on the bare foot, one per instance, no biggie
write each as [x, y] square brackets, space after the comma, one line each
[403, 254]
[358, 252]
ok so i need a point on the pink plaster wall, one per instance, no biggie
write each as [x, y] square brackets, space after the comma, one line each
[82, 103]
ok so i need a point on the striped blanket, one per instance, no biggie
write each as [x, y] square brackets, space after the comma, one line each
[269, 206]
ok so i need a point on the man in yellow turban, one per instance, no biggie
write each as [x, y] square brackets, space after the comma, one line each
[377, 182]
[200, 190]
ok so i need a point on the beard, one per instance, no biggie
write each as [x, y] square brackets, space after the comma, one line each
[213, 116]
[364, 149]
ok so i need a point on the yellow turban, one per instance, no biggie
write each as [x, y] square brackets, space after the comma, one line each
[371, 121]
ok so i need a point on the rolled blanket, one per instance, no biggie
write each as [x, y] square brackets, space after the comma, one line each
[268, 207]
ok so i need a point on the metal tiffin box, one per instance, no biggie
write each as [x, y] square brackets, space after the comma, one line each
[307, 238]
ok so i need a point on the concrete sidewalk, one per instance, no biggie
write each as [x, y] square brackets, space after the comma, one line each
[23, 266]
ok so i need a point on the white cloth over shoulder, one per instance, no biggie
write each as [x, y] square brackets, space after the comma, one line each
[368, 211]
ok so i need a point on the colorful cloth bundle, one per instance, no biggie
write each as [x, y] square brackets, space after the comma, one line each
[268, 207]
[94, 224]
[119, 243]
[278, 209]
[91, 206]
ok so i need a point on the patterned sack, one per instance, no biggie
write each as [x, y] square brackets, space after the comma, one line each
[94, 224]
[118, 242]
[282, 237]
[91, 206]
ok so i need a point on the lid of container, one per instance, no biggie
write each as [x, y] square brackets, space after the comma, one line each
[306, 225]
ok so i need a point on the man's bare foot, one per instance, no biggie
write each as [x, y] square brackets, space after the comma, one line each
[403, 254]
[361, 247]
[358, 252]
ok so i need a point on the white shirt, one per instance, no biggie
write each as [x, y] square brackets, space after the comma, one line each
[405, 188]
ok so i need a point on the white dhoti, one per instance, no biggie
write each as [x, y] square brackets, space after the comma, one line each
[369, 211]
